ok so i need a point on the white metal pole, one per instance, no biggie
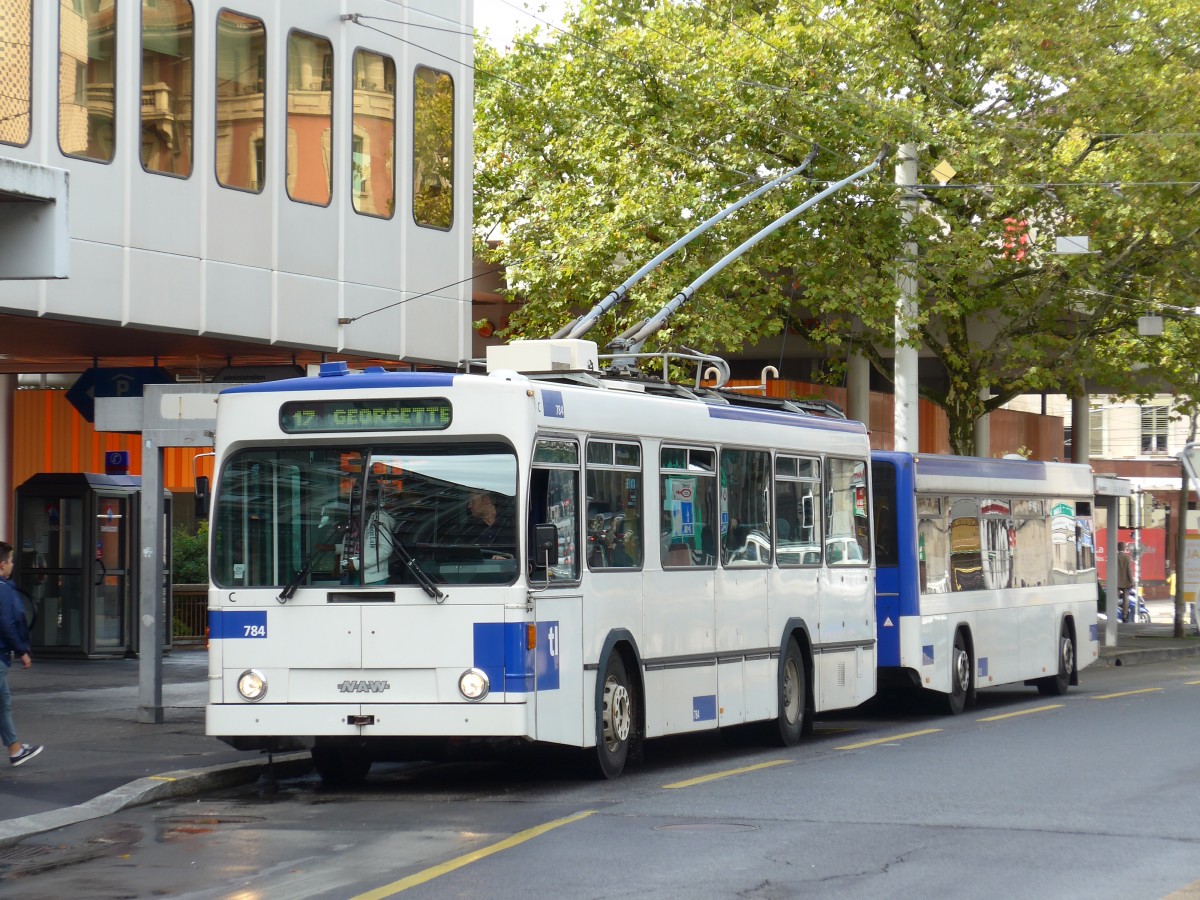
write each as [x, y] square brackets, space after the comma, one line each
[906, 424]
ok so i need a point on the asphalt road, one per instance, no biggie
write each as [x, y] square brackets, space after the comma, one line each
[1090, 795]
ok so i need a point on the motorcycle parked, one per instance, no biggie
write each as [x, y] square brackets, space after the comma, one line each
[1140, 614]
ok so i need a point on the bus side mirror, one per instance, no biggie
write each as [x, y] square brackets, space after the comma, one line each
[545, 545]
[202, 496]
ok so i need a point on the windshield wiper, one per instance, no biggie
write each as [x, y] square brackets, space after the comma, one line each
[427, 584]
[289, 590]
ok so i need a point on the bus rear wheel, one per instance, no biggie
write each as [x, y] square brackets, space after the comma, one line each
[1057, 685]
[340, 766]
[793, 698]
[960, 675]
[614, 719]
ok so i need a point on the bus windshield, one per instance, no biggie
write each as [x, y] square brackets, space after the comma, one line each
[362, 516]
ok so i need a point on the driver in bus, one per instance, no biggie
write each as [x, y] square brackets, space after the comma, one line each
[493, 535]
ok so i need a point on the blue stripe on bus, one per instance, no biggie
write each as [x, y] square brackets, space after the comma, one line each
[343, 382]
[500, 652]
[704, 709]
[231, 624]
[552, 404]
[796, 420]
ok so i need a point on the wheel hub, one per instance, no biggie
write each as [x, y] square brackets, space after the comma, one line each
[617, 717]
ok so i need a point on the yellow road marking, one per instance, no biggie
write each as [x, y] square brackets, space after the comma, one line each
[1023, 712]
[465, 860]
[1126, 693]
[713, 777]
[888, 740]
[160, 778]
[1192, 682]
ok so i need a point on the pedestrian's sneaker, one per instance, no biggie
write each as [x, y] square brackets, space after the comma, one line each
[28, 752]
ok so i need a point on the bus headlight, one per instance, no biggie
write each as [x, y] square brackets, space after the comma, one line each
[252, 685]
[473, 684]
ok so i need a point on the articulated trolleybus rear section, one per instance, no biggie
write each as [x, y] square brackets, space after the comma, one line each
[404, 560]
[986, 573]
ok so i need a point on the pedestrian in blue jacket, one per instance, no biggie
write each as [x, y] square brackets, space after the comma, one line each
[14, 640]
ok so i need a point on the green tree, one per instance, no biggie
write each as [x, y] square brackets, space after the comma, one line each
[597, 147]
[189, 554]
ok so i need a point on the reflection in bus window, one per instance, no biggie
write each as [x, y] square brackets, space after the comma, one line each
[797, 511]
[933, 545]
[167, 79]
[554, 500]
[998, 539]
[1031, 557]
[87, 71]
[614, 502]
[16, 71]
[309, 118]
[847, 525]
[373, 144]
[966, 553]
[433, 148]
[241, 101]
[746, 508]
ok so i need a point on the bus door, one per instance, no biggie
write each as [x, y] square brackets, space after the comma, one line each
[556, 657]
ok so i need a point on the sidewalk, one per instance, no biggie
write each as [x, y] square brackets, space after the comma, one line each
[99, 760]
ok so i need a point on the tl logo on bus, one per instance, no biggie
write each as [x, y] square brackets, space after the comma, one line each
[363, 687]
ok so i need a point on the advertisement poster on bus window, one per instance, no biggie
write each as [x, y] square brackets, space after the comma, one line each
[683, 496]
[1191, 567]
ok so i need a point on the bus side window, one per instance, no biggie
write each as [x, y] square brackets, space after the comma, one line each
[554, 500]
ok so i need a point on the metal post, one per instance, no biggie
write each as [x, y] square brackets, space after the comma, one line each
[905, 377]
[858, 389]
[150, 707]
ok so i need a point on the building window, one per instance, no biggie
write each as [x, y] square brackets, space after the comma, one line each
[309, 118]
[87, 50]
[433, 148]
[1156, 422]
[241, 101]
[167, 86]
[16, 71]
[1096, 431]
[373, 144]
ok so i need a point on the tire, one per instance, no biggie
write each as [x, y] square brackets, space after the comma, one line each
[340, 766]
[961, 666]
[793, 697]
[1057, 685]
[616, 719]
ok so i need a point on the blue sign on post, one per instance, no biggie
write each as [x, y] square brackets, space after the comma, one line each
[116, 382]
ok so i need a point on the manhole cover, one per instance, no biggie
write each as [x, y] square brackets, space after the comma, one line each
[726, 827]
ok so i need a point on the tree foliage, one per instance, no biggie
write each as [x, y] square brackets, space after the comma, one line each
[598, 145]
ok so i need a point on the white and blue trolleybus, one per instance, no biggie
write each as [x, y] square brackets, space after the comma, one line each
[545, 552]
[986, 573]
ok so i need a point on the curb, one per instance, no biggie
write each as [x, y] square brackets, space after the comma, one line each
[181, 783]
[1146, 655]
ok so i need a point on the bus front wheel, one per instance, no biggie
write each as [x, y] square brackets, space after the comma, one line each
[614, 719]
[960, 675]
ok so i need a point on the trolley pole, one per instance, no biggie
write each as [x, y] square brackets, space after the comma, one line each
[905, 376]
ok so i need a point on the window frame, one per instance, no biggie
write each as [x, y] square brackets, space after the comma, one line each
[454, 149]
[115, 88]
[326, 61]
[395, 130]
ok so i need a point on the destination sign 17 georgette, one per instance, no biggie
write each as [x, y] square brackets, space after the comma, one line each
[410, 414]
